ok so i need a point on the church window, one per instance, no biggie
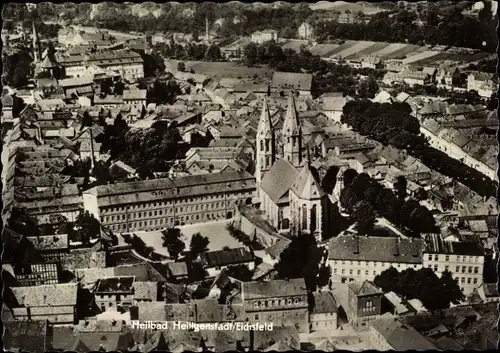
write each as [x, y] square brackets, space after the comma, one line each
[313, 218]
[268, 145]
[288, 140]
[262, 145]
[304, 217]
[268, 161]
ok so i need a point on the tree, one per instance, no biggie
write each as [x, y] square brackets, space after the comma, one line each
[21, 222]
[348, 199]
[119, 88]
[240, 272]
[330, 179]
[302, 259]
[388, 280]
[17, 68]
[364, 214]
[181, 66]
[172, 241]
[87, 227]
[87, 119]
[198, 245]
[106, 85]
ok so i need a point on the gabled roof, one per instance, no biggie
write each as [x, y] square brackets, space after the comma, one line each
[306, 186]
[278, 180]
[364, 288]
[275, 288]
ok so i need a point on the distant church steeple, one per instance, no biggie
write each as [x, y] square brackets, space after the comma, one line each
[292, 135]
[36, 45]
[266, 144]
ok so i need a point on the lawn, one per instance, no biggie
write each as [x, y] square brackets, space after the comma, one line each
[215, 231]
[218, 70]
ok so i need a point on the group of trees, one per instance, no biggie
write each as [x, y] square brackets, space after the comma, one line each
[429, 27]
[434, 292]
[17, 68]
[364, 198]
[303, 258]
[392, 124]
[172, 240]
[328, 77]
[188, 51]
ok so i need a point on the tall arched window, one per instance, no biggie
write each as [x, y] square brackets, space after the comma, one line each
[313, 219]
[261, 145]
[304, 217]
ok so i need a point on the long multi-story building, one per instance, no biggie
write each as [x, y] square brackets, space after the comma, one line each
[358, 258]
[464, 258]
[161, 203]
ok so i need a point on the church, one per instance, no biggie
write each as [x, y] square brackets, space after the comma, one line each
[289, 189]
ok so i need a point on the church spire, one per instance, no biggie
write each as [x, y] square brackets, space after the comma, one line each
[266, 144]
[292, 135]
[265, 122]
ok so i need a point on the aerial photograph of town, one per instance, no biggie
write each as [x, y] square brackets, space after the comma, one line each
[247, 176]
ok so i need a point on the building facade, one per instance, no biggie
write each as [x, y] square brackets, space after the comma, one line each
[162, 203]
[282, 302]
[114, 293]
[365, 304]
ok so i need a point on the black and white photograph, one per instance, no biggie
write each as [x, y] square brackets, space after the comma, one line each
[248, 176]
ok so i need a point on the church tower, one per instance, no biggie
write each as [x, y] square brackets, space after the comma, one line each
[266, 144]
[36, 45]
[292, 135]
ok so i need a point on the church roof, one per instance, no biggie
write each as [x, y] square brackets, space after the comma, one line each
[48, 63]
[265, 122]
[291, 123]
[278, 180]
[306, 186]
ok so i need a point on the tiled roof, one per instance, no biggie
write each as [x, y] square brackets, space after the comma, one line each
[401, 337]
[378, 249]
[324, 302]
[278, 180]
[47, 295]
[275, 288]
[364, 288]
[435, 244]
[115, 285]
[77, 81]
[176, 269]
[287, 334]
[146, 290]
[135, 94]
[276, 249]
[50, 242]
[226, 257]
[306, 186]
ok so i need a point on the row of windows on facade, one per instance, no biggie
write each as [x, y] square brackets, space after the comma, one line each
[351, 271]
[465, 269]
[274, 316]
[465, 258]
[368, 263]
[173, 202]
[469, 280]
[276, 302]
[164, 221]
[170, 211]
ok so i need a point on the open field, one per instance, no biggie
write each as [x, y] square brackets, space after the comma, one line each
[342, 6]
[219, 70]
[375, 47]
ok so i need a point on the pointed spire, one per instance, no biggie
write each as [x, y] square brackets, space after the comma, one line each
[265, 122]
[291, 123]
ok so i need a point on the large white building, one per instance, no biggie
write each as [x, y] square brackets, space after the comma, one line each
[359, 258]
[463, 257]
[265, 36]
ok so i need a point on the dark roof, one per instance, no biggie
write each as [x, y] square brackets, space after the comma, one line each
[324, 302]
[25, 336]
[276, 288]
[226, 257]
[373, 248]
[115, 284]
[399, 336]
[434, 244]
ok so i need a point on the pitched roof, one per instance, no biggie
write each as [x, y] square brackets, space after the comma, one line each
[278, 180]
[291, 123]
[226, 257]
[324, 302]
[287, 80]
[47, 295]
[364, 288]
[135, 94]
[401, 337]
[146, 290]
[306, 186]
[375, 248]
[176, 269]
[275, 288]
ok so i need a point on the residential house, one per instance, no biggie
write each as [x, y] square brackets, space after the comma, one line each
[177, 270]
[306, 31]
[215, 261]
[389, 333]
[121, 170]
[323, 316]
[415, 78]
[333, 105]
[281, 339]
[109, 101]
[266, 35]
[364, 304]
[80, 87]
[488, 292]
[448, 79]
[482, 82]
[114, 293]
[397, 306]
[135, 97]
[55, 303]
[145, 291]
[372, 62]
[432, 72]
[282, 302]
